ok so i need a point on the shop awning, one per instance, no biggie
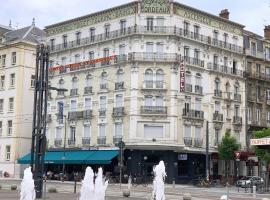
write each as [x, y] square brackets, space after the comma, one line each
[75, 157]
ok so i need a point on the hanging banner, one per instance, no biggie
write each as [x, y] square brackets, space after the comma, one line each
[182, 77]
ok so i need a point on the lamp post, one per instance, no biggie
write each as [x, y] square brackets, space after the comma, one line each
[64, 150]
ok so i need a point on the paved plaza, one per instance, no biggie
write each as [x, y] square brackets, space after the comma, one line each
[66, 192]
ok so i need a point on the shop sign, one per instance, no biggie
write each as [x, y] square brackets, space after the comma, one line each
[182, 156]
[260, 142]
[182, 77]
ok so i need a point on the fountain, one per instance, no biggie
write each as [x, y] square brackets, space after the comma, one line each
[158, 183]
[91, 190]
[27, 186]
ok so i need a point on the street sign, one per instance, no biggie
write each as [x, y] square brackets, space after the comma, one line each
[237, 155]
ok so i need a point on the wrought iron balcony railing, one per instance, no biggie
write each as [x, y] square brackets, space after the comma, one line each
[196, 114]
[188, 141]
[58, 142]
[118, 111]
[74, 92]
[237, 97]
[198, 142]
[237, 120]
[117, 139]
[193, 61]
[101, 140]
[86, 141]
[87, 114]
[154, 110]
[88, 90]
[224, 69]
[119, 86]
[102, 112]
[198, 89]
[75, 115]
[103, 86]
[218, 93]
[71, 141]
[188, 87]
[217, 117]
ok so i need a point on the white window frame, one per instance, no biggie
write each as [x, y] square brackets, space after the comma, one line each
[122, 128]
[8, 153]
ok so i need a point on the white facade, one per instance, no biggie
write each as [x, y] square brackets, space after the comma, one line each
[149, 47]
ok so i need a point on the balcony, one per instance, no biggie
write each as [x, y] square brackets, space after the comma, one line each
[256, 75]
[103, 86]
[86, 141]
[117, 139]
[237, 97]
[119, 86]
[71, 142]
[195, 114]
[250, 52]
[198, 89]
[151, 85]
[217, 117]
[87, 114]
[153, 110]
[88, 90]
[75, 115]
[237, 120]
[159, 84]
[193, 61]
[73, 92]
[188, 87]
[148, 84]
[251, 97]
[49, 118]
[102, 112]
[58, 142]
[198, 142]
[118, 111]
[188, 141]
[224, 69]
[60, 93]
[153, 57]
[218, 93]
[101, 140]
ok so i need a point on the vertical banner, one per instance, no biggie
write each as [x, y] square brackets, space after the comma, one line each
[60, 110]
[182, 77]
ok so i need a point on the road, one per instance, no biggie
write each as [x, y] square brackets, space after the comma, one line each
[66, 192]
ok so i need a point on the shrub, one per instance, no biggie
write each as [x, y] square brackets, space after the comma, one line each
[52, 190]
[13, 187]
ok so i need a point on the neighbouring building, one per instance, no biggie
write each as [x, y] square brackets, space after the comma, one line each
[17, 70]
[135, 97]
[257, 51]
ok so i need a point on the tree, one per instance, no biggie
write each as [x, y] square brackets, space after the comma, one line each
[226, 150]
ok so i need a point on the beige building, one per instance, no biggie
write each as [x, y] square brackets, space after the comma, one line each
[135, 97]
[17, 70]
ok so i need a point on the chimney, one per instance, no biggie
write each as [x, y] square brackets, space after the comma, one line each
[224, 14]
[267, 32]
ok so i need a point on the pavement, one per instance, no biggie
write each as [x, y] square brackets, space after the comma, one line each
[65, 191]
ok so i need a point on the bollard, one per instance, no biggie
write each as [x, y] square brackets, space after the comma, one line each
[227, 185]
[254, 191]
[173, 184]
[44, 187]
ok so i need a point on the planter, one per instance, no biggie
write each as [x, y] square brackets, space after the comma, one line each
[187, 196]
[13, 187]
[52, 190]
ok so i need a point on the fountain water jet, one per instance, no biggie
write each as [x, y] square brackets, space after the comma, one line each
[27, 186]
[158, 183]
[93, 190]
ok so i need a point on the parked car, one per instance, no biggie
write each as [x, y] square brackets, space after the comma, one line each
[249, 181]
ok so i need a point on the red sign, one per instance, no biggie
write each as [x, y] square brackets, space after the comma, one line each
[259, 142]
[237, 155]
[182, 77]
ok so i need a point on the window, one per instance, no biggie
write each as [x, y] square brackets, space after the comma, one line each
[61, 84]
[119, 100]
[11, 104]
[267, 94]
[65, 41]
[9, 131]
[120, 76]
[149, 47]
[8, 152]
[187, 131]
[159, 101]
[268, 116]
[88, 81]
[78, 38]
[107, 31]
[186, 52]
[160, 22]
[60, 109]
[258, 69]
[73, 105]
[198, 79]
[160, 48]
[4, 60]
[153, 131]
[77, 58]
[225, 62]
[267, 53]
[148, 75]
[72, 135]
[217, 107]
[258, 92]
[235, 41]
[217, 136]
[102, 132]
[1, 105]
[198, 104]
[103, 102]
[87, 103]
[217, 84]
[92, 57]
[159, 78]
[2, 83]
[215, 60]
[123, 27]
[74, 83]
[186, 28]
[228, 108]
[215, 37]
[33, 81]
[148, 101]
[253, 48]
[188, 78]
[13, 59]
[236, 111]
[52, 44]
[267, 71]
[122, 49]
[187, 104]
[249, 114]
[86, 131]
[196, 31]
[12, 80]
[118, 131]
[106, 53]
[225, 39]
[63, 61]
[92, 34]
[103, 80]
[258, 115]
[196, 56]
[197, 132]
[1, 128]
[58, 133]
[149, 24]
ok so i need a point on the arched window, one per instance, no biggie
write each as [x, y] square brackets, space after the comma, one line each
[103, 80]
[217, 84]
[120, 76]
[198, 79]
[148, 78]
[228, 90]
[74, 83]
[61, 83]
[159, 78]
[188, 77]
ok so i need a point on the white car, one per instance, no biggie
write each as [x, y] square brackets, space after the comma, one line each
[249, 181]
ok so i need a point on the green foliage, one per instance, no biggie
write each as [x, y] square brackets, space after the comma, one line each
[227, 147]
[261, 153]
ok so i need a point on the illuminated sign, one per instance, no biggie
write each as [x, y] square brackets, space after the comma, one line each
[260, 142]
[156, 6]
[182, 77]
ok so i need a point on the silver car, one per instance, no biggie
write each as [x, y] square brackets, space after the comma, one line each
[249, 181]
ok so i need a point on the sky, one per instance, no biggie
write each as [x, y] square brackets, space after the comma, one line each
[254, 14]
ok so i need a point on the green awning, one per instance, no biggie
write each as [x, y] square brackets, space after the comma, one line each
[75, 157]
